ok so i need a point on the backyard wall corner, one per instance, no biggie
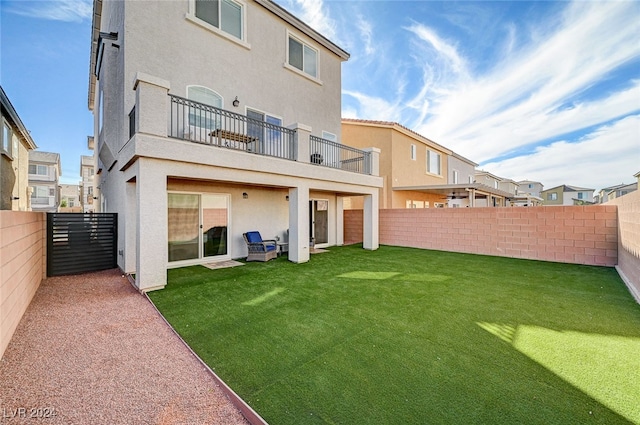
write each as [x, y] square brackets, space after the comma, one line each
[22, 266]
[628, 208]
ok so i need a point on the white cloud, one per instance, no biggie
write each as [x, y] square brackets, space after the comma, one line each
[372, 108]
[314, 14]
[607, 156]
[55, 10]
[519, 101]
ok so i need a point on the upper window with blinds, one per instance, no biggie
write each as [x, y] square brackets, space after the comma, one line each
[302, 57]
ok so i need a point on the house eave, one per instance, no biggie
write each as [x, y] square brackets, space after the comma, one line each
[13, 115]
[304, 28]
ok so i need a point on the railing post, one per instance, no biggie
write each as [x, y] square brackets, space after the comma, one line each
[372, 166]
[302, 133]
[152, 104]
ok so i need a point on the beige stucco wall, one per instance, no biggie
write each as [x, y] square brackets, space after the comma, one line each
[23, 266]
[628, 207]
[161, 41]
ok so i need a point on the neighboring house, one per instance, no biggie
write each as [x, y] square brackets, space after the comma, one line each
[528, 194]
[15, 145]
[408, 163]
[86, 184]
[217, 118]
[420, 173]
[608, 193]
[44, 175]
[621, 191]
[69, 198]
[498, 191]
[567, 195]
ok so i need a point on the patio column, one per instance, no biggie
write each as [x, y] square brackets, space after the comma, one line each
[299, 224]
[339, 220]
[151, 235]
[370, 237]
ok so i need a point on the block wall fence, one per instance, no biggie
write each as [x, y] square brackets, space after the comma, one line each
[629, 240]
[23, 265]
[600, 235]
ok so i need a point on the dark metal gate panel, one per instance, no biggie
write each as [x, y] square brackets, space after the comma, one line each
[79, 243]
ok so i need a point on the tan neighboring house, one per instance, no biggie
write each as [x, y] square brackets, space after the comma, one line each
[86, 183]
[44, 177]
[213, 119]
[15, 145]
[70, 198]
[608, 193]
[568, 195]
[409, 162]
[420, 173]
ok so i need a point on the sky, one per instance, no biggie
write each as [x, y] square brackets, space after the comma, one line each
[546, 91]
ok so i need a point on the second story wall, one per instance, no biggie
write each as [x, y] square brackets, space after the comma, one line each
[460, 171]
[169, 41]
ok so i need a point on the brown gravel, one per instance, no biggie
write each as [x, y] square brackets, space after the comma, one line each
[92, 350]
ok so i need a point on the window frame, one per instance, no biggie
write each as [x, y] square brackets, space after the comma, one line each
[429, 153]
[315, 78]
[6, 146]
[191, 16]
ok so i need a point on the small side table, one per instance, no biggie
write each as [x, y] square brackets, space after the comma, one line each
[282, 248]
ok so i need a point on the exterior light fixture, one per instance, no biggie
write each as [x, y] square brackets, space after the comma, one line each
[245, 195]
[287, 198]
[236, 102]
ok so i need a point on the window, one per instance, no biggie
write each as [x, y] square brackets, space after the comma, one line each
[580, 195]
[269, 137]
[6, 137]
[552, 196]
[39, 170]
[226, 15]
[455, 176]
[303, 57]
[433, 162]
[329, 136]
[495, 184]
[530, 186]
[413, 152]
[199, 116]
[470, 179]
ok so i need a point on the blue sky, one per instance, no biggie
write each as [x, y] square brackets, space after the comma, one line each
[546, 91]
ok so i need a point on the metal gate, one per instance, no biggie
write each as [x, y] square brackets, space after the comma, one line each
[79, 243]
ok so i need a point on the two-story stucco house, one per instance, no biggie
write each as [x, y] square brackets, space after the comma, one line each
[44, 177]
[217, 118]
[528, 194]
[15, 145]
[567, 195]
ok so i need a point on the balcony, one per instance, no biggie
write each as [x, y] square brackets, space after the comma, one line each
[205, 124]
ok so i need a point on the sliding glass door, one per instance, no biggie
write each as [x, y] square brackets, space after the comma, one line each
[197, 226]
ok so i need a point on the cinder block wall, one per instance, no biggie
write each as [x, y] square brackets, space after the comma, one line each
[22, 266]
[629, 240]
[570, 234]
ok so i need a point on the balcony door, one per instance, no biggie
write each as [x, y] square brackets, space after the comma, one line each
[268, 135]
[197, 227]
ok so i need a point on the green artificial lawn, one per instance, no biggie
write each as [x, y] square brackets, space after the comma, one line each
[409, 336]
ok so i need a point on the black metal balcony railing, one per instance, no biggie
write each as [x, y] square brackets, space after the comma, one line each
[336, 155]
[207, 124]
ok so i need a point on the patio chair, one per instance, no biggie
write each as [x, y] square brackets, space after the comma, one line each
[260, 250]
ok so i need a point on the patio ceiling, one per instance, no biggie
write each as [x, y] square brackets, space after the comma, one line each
[459, 191]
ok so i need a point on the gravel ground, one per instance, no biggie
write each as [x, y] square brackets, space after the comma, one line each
[92, 350]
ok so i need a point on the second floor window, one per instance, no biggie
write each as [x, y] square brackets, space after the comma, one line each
[226, 15]
[455, 176]
[413, 152]
[39, 170]
[433, 162]
[6, 137]
[552, 196]
[303, 57]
